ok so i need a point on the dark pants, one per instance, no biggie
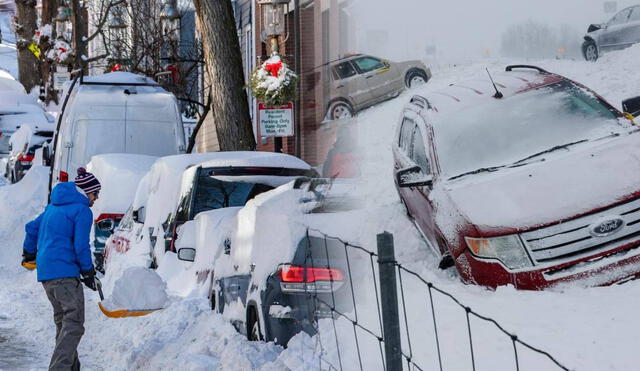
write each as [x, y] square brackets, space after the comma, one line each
[67, 298]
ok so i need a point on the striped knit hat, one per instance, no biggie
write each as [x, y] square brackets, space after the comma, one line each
[87, 181]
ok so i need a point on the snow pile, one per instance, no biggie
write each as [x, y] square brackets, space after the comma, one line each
[119, 175]
[20, 140]
[138, 289]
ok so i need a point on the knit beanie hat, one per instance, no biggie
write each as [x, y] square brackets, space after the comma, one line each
[87, 181]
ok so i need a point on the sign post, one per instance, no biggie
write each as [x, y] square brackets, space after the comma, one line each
[276, 121]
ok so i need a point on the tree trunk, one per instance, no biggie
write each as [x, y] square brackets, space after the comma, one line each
[80, 31]
[49, 8]
[230, 106]
[29, 71]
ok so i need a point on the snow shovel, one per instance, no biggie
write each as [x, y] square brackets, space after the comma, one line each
[31, 265]
[120, 313]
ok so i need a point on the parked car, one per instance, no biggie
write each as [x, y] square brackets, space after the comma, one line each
[223, 180]
[271, 277]
[22, 157]
[117, 112]
[360, 81]
[533, 189]
[16, 110]
[119, 175]
[619, 32]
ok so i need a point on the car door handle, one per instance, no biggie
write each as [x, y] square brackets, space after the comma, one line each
[339, 86]
[370, 76]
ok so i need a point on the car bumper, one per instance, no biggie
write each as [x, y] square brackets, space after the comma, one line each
[601, 269]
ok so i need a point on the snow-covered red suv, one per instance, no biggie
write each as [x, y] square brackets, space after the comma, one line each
[533, 181]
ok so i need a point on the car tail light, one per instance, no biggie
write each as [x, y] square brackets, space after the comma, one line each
[25, 159]
[64, 177]
[304, 279]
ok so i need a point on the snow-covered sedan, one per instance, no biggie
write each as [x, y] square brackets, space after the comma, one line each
[533, 181]
[179, 187]
[270, 260]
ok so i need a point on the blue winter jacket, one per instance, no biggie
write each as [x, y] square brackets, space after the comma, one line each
[60, 235]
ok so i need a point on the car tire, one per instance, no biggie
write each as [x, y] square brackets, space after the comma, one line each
[590, 51]
[415, 78]
[254, 333]
[340, 110]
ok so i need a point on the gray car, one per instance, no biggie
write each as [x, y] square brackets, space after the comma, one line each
[360, 81]
[621, 31]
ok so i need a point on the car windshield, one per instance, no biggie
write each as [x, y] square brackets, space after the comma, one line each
[212, 193]
[511, 129]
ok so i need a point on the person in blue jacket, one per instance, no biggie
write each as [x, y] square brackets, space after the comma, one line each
[58, 240]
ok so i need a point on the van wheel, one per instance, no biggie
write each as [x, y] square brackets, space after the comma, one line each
[253, 325]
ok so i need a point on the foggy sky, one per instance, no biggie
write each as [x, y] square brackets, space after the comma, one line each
[460, 29]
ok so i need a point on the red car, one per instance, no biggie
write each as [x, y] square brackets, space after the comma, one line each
[530, 179]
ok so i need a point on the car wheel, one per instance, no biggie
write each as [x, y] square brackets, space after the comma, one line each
[253, 326]
[590, 51]
[415, 79]
[340, 110]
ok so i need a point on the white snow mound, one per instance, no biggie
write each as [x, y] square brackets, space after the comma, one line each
[138, 289]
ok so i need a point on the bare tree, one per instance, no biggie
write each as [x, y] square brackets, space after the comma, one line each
[25, 25]
[224, 62]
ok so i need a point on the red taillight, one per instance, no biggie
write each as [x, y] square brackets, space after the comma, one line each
[25, 158]
[292, 273]
[64, 177]
[115, 217]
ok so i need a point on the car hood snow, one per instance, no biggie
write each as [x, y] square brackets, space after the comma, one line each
[566, 185]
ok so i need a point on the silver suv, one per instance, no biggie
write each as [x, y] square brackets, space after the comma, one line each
[621, 31]
[360, 81]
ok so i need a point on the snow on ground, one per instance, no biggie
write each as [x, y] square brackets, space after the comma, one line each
[586, 329]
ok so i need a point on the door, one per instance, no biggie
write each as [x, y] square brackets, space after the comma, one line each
[382, 78]
[631, 32]
[347, 83]
[611, 37]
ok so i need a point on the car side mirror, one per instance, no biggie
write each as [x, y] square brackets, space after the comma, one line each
[139, 215]
[594, 27]
[631, 106]
[187, 254]
[413, 177]
[106, 225]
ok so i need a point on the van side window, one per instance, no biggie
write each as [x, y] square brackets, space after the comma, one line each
[406, 131]
[419, 153]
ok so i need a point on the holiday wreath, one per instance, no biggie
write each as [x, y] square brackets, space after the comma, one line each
[273, 83]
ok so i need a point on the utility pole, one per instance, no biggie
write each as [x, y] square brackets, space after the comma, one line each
[29, 72]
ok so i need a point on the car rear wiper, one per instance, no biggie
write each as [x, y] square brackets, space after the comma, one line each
[552, 149]
[477, 171]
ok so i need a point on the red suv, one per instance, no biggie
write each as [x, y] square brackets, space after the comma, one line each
[532, 181]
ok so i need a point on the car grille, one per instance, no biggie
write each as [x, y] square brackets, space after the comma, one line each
[572, 239]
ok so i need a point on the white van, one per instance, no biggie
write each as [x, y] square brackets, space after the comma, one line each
[118, 112]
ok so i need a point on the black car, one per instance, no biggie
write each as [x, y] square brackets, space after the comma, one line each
[299, 290]
[619, 32]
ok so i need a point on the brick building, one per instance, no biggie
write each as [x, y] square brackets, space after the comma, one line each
[324, 37]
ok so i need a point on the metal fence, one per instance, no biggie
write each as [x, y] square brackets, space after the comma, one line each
[392, 330]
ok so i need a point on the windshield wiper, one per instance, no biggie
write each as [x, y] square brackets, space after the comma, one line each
[477, 171]
[552, 149]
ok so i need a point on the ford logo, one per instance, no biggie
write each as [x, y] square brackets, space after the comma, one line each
[604, 228]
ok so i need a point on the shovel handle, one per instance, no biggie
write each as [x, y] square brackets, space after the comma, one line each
[99, 287]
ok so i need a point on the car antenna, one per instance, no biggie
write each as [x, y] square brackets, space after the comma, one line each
[498, 94]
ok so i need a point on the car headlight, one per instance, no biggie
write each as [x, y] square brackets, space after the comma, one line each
[508, 249]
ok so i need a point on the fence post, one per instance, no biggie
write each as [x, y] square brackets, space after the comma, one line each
[389, 302]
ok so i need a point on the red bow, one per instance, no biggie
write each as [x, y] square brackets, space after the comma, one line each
[116, 68]
[63, 49]
[273, 68]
